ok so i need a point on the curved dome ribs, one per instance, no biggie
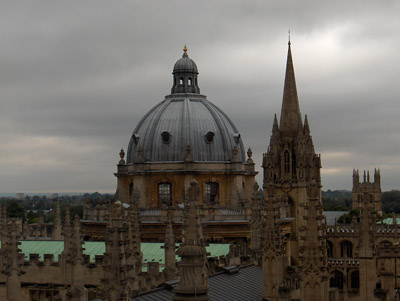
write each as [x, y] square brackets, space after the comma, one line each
[234, 130]
[143, 123]
[150, 132]
[185, 118]
[227, 152]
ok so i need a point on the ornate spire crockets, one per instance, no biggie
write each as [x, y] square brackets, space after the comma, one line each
[11, 258]
[123, 258]
[169, 249]
[292, 183]
[290, 115]
[193, 284]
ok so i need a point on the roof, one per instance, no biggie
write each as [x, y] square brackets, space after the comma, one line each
[152, 252]
[332, 216]
[165, 132]
[246, 284]
[185, 64]
[389, 221]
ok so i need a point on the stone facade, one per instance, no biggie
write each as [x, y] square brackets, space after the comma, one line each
[302, 257]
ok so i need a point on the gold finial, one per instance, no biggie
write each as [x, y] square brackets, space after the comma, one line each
[185, 49]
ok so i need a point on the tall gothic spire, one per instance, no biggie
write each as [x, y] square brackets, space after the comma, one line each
[290, 114]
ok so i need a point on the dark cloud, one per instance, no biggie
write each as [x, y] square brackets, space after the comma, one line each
[76, 77]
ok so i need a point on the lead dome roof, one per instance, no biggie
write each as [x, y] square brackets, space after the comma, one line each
[185, 118]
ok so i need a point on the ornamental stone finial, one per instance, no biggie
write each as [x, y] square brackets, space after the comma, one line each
[249, 153]
[122, 156]
[188, 156]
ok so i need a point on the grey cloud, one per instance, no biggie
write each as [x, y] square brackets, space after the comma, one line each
[83, 73]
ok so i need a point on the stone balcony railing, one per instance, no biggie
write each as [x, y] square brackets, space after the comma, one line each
[333, 262]
[209, 214]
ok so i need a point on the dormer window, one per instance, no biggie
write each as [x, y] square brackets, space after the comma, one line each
[209, 137]
[166, 137]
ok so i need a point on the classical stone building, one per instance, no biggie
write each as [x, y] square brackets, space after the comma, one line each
[183, 138]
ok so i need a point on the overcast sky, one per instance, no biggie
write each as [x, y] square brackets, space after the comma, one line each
[76, 77]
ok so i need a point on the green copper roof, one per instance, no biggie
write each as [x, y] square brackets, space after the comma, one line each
[389, 221]
[152, 252]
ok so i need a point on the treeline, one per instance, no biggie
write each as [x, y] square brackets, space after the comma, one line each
[340, 200]
[32, 208]
[336, 200]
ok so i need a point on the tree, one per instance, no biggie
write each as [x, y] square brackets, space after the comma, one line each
[15, 209]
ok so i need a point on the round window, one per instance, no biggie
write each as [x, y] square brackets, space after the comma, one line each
[209, 137]
[166, 137]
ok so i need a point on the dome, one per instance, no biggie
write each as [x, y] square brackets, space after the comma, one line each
[165, 132]
[185, 125]
[185, 64]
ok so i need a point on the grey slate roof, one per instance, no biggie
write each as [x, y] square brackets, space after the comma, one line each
[245, 285]
[188, 118]
[331, 216]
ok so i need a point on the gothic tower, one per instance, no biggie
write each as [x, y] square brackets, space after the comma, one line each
[292, 181]
[373, 189]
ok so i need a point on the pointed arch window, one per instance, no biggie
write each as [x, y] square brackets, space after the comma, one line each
[287, 161]
[336, 280]
[165, 194]
[346, 249]
[355, 279]
[329, 249]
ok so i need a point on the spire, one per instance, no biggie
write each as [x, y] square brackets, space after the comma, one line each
[67, 233]
[290, 114]
[169, 249]
[12, 260]
[77, 242]
[275, 127]
[306, 126]
[57, 224]
[193, 284]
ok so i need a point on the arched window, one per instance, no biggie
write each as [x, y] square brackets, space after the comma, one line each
[336, 280]
[355, 279]
[189, 81]
[212, 191]
[130, 190]
[181, 81]
[346, 249]
[287, 161]
[165, 194]
[329, 249]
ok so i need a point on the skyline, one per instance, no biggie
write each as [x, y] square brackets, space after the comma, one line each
[76, 78]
